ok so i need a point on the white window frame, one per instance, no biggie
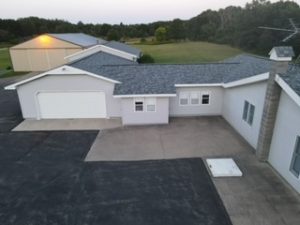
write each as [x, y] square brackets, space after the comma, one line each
[246, 116]
[197, 94]
[187, 98]
[296, 153]
[209, 97]
[150, 101]
[138, 100]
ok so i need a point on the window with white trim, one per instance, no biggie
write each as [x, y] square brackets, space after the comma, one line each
[151, 104]
[139, 105]
[205, 99]
[248, 112]
[295, 163]
[183, 98]
[195, 98]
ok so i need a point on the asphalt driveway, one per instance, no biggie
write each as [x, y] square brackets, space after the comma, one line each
[44, 180]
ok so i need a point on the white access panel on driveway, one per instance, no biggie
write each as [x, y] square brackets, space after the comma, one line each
[69, 105]
[223, 167]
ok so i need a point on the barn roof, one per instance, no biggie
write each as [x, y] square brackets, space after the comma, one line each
[80, 39]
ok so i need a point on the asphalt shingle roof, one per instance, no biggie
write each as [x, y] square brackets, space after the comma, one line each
[292, 77]
[80, 39]
[99, 59]
[284, 51]
[161, 78]
[123, 47]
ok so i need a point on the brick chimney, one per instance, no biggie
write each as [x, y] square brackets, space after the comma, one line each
[281, 57]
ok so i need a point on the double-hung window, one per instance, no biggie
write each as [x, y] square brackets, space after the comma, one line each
[145, 105]
[195, 98]
[248, 112]
[183, 98]
[151, 104]
[139, 105]
[295, 164]
[205, 98]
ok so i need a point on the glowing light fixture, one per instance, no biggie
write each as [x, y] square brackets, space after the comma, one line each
[45, 40]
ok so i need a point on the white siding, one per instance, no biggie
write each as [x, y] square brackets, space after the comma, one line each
[233, 105]
[28, 92]
[160, 116]
[287, 128]
[214, 108]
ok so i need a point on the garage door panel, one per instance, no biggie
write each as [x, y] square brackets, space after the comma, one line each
[62, 105]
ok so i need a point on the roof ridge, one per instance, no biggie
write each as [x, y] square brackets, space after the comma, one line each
[86, 57]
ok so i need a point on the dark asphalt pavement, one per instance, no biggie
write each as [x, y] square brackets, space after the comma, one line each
[44, 180]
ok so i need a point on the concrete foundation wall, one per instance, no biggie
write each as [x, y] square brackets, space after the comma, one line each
[160, 116]
[233, 106]
[214, 108]
[287, 128]
[28, 92]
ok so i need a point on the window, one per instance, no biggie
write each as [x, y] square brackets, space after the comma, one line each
[183, 98]
[151, 104]
[139, 105]
[295, 164]
[248, 113]
[145, 105]
[194, 98]
[205, 99]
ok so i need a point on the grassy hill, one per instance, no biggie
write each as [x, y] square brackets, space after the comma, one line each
[188, 52]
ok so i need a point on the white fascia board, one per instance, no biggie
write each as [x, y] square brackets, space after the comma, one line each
[145, 96]
[293, 95]
[199, 85]
[62, 70]
[86, 52]
[249, 80]
[83, 53]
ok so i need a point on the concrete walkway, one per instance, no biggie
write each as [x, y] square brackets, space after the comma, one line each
[260, 197]
[68, 124]
[182, 138]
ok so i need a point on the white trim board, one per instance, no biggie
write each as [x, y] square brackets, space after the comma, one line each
[248, 80]
[293, 95]
[62, 70]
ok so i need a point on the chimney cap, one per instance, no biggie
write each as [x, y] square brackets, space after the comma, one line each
[282, 53]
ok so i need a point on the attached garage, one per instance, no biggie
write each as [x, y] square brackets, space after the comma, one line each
[70, 105]
[67, 93]
[49, 50]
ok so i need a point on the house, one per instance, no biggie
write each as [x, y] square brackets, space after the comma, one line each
[48, 51]
[259, 97]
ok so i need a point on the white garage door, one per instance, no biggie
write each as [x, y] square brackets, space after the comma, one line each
[79, 104]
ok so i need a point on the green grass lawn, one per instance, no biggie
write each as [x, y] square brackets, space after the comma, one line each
[6, 62]
[4, 58]
[188, 52]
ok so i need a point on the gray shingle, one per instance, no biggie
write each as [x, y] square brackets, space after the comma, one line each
[80, 39]
[123, 47]
[92, 62]
[284, 51]
[248, 65]
[160, 79]
[292, 77]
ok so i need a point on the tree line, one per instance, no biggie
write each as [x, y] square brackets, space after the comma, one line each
[236, 26]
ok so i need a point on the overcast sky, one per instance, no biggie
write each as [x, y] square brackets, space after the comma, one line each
[112, 11]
